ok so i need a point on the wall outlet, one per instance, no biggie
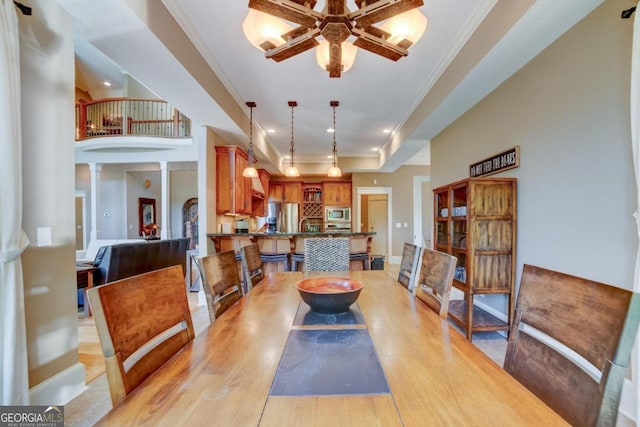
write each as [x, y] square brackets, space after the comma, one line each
[406, 225]
[398, 225]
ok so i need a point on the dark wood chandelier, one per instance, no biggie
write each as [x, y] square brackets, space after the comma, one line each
[336, 23]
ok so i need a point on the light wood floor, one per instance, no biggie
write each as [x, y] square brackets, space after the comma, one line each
[94, 403]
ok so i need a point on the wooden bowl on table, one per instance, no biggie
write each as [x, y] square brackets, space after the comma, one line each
[329, 295]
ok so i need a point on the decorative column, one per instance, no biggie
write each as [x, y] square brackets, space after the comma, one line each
[165, 202]
[95, 169]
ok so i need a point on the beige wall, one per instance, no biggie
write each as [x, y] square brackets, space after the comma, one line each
[47, 69]
[568, 110]
[401, 183]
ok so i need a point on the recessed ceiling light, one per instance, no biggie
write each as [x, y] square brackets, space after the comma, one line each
[106, 83]
[375, 149]
[330, 157]
[387, 131]
[330, 130]
[271, 131]
[287, 157]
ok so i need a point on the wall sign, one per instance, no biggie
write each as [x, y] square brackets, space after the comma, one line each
[500, 162]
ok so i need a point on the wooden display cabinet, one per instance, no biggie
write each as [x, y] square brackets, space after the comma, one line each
[312, 206]
[233, 191]
[475, 220]
[336, 193]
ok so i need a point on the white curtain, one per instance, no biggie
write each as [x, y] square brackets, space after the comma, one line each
[635, 142]
[13, 241]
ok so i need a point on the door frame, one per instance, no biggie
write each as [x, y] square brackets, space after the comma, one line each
[83, 196]
[418, 235]
[360, 191]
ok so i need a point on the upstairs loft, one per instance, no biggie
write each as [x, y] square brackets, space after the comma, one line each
[128, 119]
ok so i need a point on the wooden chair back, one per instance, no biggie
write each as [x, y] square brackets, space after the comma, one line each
[142, 322]
[326, 254]
[570, 343]
[251, 266]
[435, 278]
[221, 282]
[409, 265]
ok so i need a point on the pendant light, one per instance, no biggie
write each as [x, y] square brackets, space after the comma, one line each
[292, 170]
[334, 171]
[250, 171]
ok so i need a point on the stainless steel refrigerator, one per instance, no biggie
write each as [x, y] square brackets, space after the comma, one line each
[282, 217]
[290, 217]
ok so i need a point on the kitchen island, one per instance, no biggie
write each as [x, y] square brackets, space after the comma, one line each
[292, 245]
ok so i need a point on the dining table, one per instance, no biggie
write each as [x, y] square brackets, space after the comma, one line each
[388, 361]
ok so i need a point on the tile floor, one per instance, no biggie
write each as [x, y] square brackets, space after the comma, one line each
[94, 403]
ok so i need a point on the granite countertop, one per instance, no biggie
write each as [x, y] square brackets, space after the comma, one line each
[303, 234]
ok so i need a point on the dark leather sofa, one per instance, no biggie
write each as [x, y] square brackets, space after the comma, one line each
[129, 259]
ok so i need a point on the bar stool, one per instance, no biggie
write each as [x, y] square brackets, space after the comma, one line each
[363, 256]
[276, 258]
[295, 259]
[359, 248]
[274, 250]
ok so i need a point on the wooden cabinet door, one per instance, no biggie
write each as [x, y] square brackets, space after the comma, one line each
[336, 193]
[233, 191]
[224, 178]
[293, 192]
[276, 191]
[344, 193]
[242, 184]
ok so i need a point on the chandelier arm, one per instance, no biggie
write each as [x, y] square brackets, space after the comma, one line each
[381, 10]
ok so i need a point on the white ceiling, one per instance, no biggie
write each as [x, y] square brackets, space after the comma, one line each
[468, 49]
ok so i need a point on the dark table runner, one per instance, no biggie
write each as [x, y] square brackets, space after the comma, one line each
[329, 362]
[306, 317]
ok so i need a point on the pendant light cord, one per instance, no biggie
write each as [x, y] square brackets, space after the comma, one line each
[292, 149]
[335, 154]
[250, 136]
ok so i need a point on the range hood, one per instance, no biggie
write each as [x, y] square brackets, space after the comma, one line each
[256, 187]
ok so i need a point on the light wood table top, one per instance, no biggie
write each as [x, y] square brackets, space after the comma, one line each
[436, 377]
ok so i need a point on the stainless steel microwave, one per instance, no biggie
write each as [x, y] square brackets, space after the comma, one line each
[337, 214]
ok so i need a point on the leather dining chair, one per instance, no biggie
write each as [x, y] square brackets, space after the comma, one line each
[221, 282]
[570, 343]
[435, 278]
[409, 265]
[142, 321]
[326, 254]
[252, 272]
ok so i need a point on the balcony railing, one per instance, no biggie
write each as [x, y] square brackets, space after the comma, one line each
[126, 116]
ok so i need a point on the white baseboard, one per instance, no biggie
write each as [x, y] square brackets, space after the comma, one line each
[61, 388]
[628, 401]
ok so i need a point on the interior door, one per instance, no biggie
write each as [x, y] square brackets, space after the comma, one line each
[377, 222]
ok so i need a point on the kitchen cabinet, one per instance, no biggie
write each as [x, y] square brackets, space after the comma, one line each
[475, 221]
[336, 193]
[293, 192]
[233, 191]
[285, 191]
[276, 191]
